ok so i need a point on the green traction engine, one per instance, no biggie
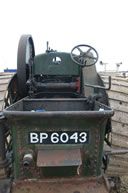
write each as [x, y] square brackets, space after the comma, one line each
[53, 133]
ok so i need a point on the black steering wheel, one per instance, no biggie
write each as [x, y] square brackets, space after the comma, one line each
[84, 55]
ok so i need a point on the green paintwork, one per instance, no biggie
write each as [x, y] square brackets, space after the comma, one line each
[44, 64]
[24, 122]
[15, 150]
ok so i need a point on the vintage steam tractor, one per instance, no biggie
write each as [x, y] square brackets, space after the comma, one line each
[56, 124]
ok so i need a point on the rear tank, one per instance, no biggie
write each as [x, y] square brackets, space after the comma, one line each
[58, 144]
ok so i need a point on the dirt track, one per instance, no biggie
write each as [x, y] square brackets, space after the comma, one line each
[124, 184]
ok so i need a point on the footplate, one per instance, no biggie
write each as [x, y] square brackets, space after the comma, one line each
[70, 185]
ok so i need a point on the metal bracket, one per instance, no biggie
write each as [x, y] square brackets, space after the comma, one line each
[109, 151]
[115, 152]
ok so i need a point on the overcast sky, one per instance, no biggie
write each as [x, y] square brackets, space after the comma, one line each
[102, 24]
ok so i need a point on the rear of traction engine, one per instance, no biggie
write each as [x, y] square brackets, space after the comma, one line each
[52, 139]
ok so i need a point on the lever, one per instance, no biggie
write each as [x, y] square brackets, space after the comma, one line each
[101, 87]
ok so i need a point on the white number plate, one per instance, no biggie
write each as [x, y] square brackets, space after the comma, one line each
[70, 137]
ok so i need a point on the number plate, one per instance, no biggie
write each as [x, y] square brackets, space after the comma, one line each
[70, 137]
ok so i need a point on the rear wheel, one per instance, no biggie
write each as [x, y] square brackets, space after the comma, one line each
[8, 96]
[118, 98]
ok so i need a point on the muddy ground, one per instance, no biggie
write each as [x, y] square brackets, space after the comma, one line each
[124, 184]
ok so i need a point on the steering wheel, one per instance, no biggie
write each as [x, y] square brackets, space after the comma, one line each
[84, 55]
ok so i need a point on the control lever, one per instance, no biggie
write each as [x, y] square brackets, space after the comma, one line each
[100, 87]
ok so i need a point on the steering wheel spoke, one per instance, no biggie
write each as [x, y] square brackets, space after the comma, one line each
[81, 52]
[88, 50]
[77, 56]
[88, 55]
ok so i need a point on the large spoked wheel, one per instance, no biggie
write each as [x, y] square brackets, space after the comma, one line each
[26, 53]
[84, 55]
[9, 95]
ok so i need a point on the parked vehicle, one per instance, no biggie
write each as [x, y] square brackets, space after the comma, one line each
[56, 123]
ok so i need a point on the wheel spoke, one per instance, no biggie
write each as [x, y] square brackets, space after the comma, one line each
[78, 56]
[81, 52]
[88, 50]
